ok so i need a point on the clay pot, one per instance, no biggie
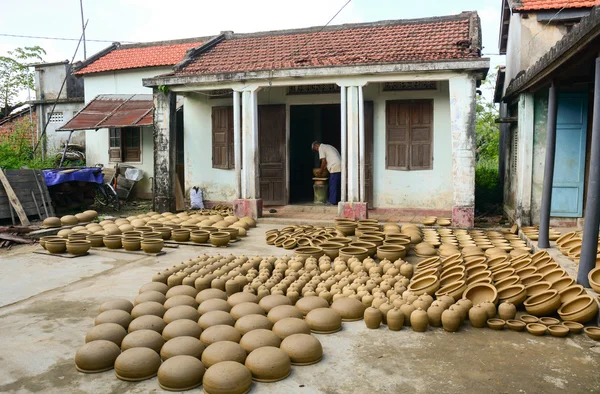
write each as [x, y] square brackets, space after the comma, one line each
[371, 247]
[216, 317]
[112, 241]
[117, 316]
[219, 238]
[259, 338]
[131, 243]
[137, 364]
[419, 320]
[434, 314]
[47, 238]
[282, 311]
[527, 319]
[96, 356]
[592, 333]
[69, 220]
[271, 301]
[558, 331]
[218, 333]
[208, 294]
[478, 316]
[148, 308]
[51, 222]
[302, 349]
[223, 351]
[496, 324]
[549, 321]
[507, 311]
[56, 245]
[180, 300]
[245, 308]
[95, 240]
[353, 251]
[349, 309]
[515, 325]
[79, 247]
[594, 279]
[150, 295]
[291, 325]
[152, 245]
[481, 292]
[426, 285]
[227, 377]
[581, 309]
[451, 320]
[241, 297]
[391, 252]
[537, 288]
[323, 320]
[331, 249]
[252, 322]
[180, 235]
[395, 319]
[490, 309]
[165, 232]
[124, 305]
[148, 322]
[181, 312]
[562, 283]
[373, 318]
[143, 338]
[454, 290]
[179, 373]
[514, 294]
[108, 331]
[574, 327]
[570, 293]
[536, 329]
[543, 304]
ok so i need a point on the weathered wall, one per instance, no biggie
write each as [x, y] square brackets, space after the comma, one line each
[539, 152]
[48, 80]
[54, 139]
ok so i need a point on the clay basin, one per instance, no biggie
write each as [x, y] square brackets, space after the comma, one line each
[220, 238]
[483, 276]
[47, 238]
[199, 236]
[308, 251]
[165, 232]
[180, 235]
[531, 279]
[454, 289]
[233, 232]
[543, 304]
[452, 278]
[501, 274]
[514, 294]
[78, 247]
[424, 273]
[371, 248]
[397, 241]
[570, 293]
[554, 275]
[428, 284]
[506, 282]
[515, 325]
[112, 241]
[391, 252]
[479, 293]
[525, 272]
[592, 332]
[331, 249]
[496, 324]
[581, 309]
[558, 331]
[152, 245]
[56, 245]
[95, 240]
[536, 329]
[152, 234]
[562, 283]
[574, 327]
[341, 240]
[374, 239]
[352, 251]
[594, 278]
[346, 229]
[537, 288]
[132, 243]
[549, 321]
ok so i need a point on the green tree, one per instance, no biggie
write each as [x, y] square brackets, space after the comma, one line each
[15, 76]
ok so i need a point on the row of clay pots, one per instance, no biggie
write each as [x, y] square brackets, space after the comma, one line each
[570, 245]
[433, 220]
[70, 220]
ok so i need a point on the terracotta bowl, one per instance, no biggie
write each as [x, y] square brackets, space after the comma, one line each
[479, 293]
[56, 245]
[496, 324]
[78, 247]
[353, 251]
[425, 285]
[152, 245]
[574, 327]
[452, 278]
[374, 239]
[515, 325]
[531, 279]
[454, 289]
[180, 235]
[371, 247]
[219, 238]
[527, 319]
[112, 241]
[593, 333]
[594, 278]
[199, 236]
[515, 294]
[332, 249]
[506, 282]
[562, 283]
[308, 251]
[558, 331]
[537, 288]
[47, 238]
[536, 329]
[346, 229]
[131, 243]
[233, 232]
[543, 304]
[581, 309]
[549, 321]
[570, 293]
[391, 252]
[554, 275]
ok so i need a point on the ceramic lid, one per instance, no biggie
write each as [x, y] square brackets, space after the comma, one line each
[114, 316]
[259, 338]
[324, 320]
[143, 338]
[290, 325]
[124, 305]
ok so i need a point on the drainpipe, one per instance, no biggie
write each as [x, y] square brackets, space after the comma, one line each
[237, 144]
[587, 261]
[544, 241]
[344, 141]
[361, 145]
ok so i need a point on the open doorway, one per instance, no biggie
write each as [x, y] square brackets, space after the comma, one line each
[309, 123]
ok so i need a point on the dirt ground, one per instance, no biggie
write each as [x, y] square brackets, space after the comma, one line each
[47, 304]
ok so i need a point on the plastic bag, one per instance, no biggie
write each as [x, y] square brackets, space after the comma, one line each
[134, 174]
[196, 198]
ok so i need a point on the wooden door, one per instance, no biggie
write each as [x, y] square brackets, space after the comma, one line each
[368, 111]
[272, 144]
[569, 163]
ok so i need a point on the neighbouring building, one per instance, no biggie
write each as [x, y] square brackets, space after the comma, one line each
[397, 98]
[27, 116]
[530, 29]
[117, 117]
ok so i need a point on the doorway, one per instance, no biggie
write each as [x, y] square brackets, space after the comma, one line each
[310, 123]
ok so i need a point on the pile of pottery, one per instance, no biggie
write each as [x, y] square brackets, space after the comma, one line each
[434, 220]
[70, 220]
[570, 245]
[533, 233]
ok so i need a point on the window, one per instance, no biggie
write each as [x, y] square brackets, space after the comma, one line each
[409, 135]
[124, 145]
[56, 117]
[222, 138]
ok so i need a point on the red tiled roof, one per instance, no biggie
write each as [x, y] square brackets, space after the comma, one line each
[127, 57]
[539, 5]
[387, 42]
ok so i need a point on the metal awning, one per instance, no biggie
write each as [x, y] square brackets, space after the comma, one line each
[113, 111]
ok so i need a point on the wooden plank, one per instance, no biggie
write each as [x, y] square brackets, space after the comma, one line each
[46, 194]
[13, 199]
[41, 193]
[15, 238]
[139, 252]
[65, 255]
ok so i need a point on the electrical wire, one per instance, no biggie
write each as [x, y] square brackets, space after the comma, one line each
[61, 38]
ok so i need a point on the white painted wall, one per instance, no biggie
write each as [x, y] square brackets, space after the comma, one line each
[55, 139]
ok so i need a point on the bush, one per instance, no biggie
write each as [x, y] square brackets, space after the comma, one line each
[16, 150]
[488, 194]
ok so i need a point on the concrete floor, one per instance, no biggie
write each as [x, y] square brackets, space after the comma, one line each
[47, 304]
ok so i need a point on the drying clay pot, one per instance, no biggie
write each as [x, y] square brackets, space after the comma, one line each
[96, 356]
[124, 305]
[528, 319]
[112, 241]
[271, 301]
[150, 295]
[208, 294]
[574, 327]
[558, 331]
[306, 304]
[69, 220]
[95, 240]
[496, 324]
[199, 236]
[248, 323]
[78, 247]
[180, 373]
[148, 308]
[350, 309]
[481, 292]
[143, 338]
[223, 351]
[137, 364]
[283, 311]
[543, 304]
[181, 328]
[419, 320]
[117, 316]
[147, 322]
[214, 318]
[227, 377]
[152, 245]
[220, 238]
[450, 320]
[302, 349]
[395, 319]
[259, 338]
[108, 331]
[592, 333]
[241, 297]
[424, 285]
[56, 245]
[52, 222]
[182, 346]
[181, 312]
[220, 333]
[490, 308]
[507, 311]
[246, 308]
[215, 304]
[581, 309]
[268, 364]
[131, 243]
[515, 325]
[324, 320]
[373, 318]
[536, 329]
[180, 300]
[478, 316]
[290, 325]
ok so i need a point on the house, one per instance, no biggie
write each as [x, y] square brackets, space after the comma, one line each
[117, 117]
[558, 131]
[529, 30]
[397, 98]
[8, 124]
[58, 97]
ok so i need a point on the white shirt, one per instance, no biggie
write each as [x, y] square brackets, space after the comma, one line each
[332, 156]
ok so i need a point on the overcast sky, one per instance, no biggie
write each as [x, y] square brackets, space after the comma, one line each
[152, 20]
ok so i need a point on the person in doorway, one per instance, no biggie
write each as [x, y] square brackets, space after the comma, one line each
[330, 159]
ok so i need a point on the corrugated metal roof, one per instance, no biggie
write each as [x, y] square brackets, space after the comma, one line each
[113, 110]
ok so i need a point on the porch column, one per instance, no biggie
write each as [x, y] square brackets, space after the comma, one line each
[249, 204]
[237, 143]
[524, 159]
[352, 103]
[587, 261]
[462, 128]
[361, 145]
[344, 142]
[164, 150]
[543, 240]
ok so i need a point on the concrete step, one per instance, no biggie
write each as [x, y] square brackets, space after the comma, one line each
[325, 209]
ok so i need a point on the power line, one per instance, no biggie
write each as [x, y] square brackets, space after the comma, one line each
[61, 38]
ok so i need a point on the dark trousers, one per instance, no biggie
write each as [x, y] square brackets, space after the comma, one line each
[335, 179]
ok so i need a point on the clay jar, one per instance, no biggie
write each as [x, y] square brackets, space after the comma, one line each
[478, 316]
[180, 373]
[96, 356]
[395, 319]
[490, 308]
[385, 308]
[419, 320]
[434, 314]
[407, 310]
[227, 377]
[451, 320]
[507, 311]
[373, 318]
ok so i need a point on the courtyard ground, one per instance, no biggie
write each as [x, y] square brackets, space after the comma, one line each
[47, 304]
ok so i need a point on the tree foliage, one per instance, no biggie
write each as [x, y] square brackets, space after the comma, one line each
[15, 76]
[16, 150]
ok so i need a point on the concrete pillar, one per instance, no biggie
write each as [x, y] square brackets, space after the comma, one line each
[524, 160]
[249, 204]
[237, 143]
[543, 240]
[587, 260]
[164, 150]
[353, 154]
[344, 142]
[504, 133]
[361, 147]
[462, 128]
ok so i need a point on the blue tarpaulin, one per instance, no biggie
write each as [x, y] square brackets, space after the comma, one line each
[58, 176]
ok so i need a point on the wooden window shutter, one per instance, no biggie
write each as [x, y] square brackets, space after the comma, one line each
[421, 135]
[222, 137]
[397, 135]
[131, 144]
[114, 145]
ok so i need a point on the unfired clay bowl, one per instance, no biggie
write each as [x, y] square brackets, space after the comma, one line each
[182, 346]
[303, 349]
[227, 377]
[324, 320]
[268, 364]
[180, 373]
[96, 356]
[137, 364]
